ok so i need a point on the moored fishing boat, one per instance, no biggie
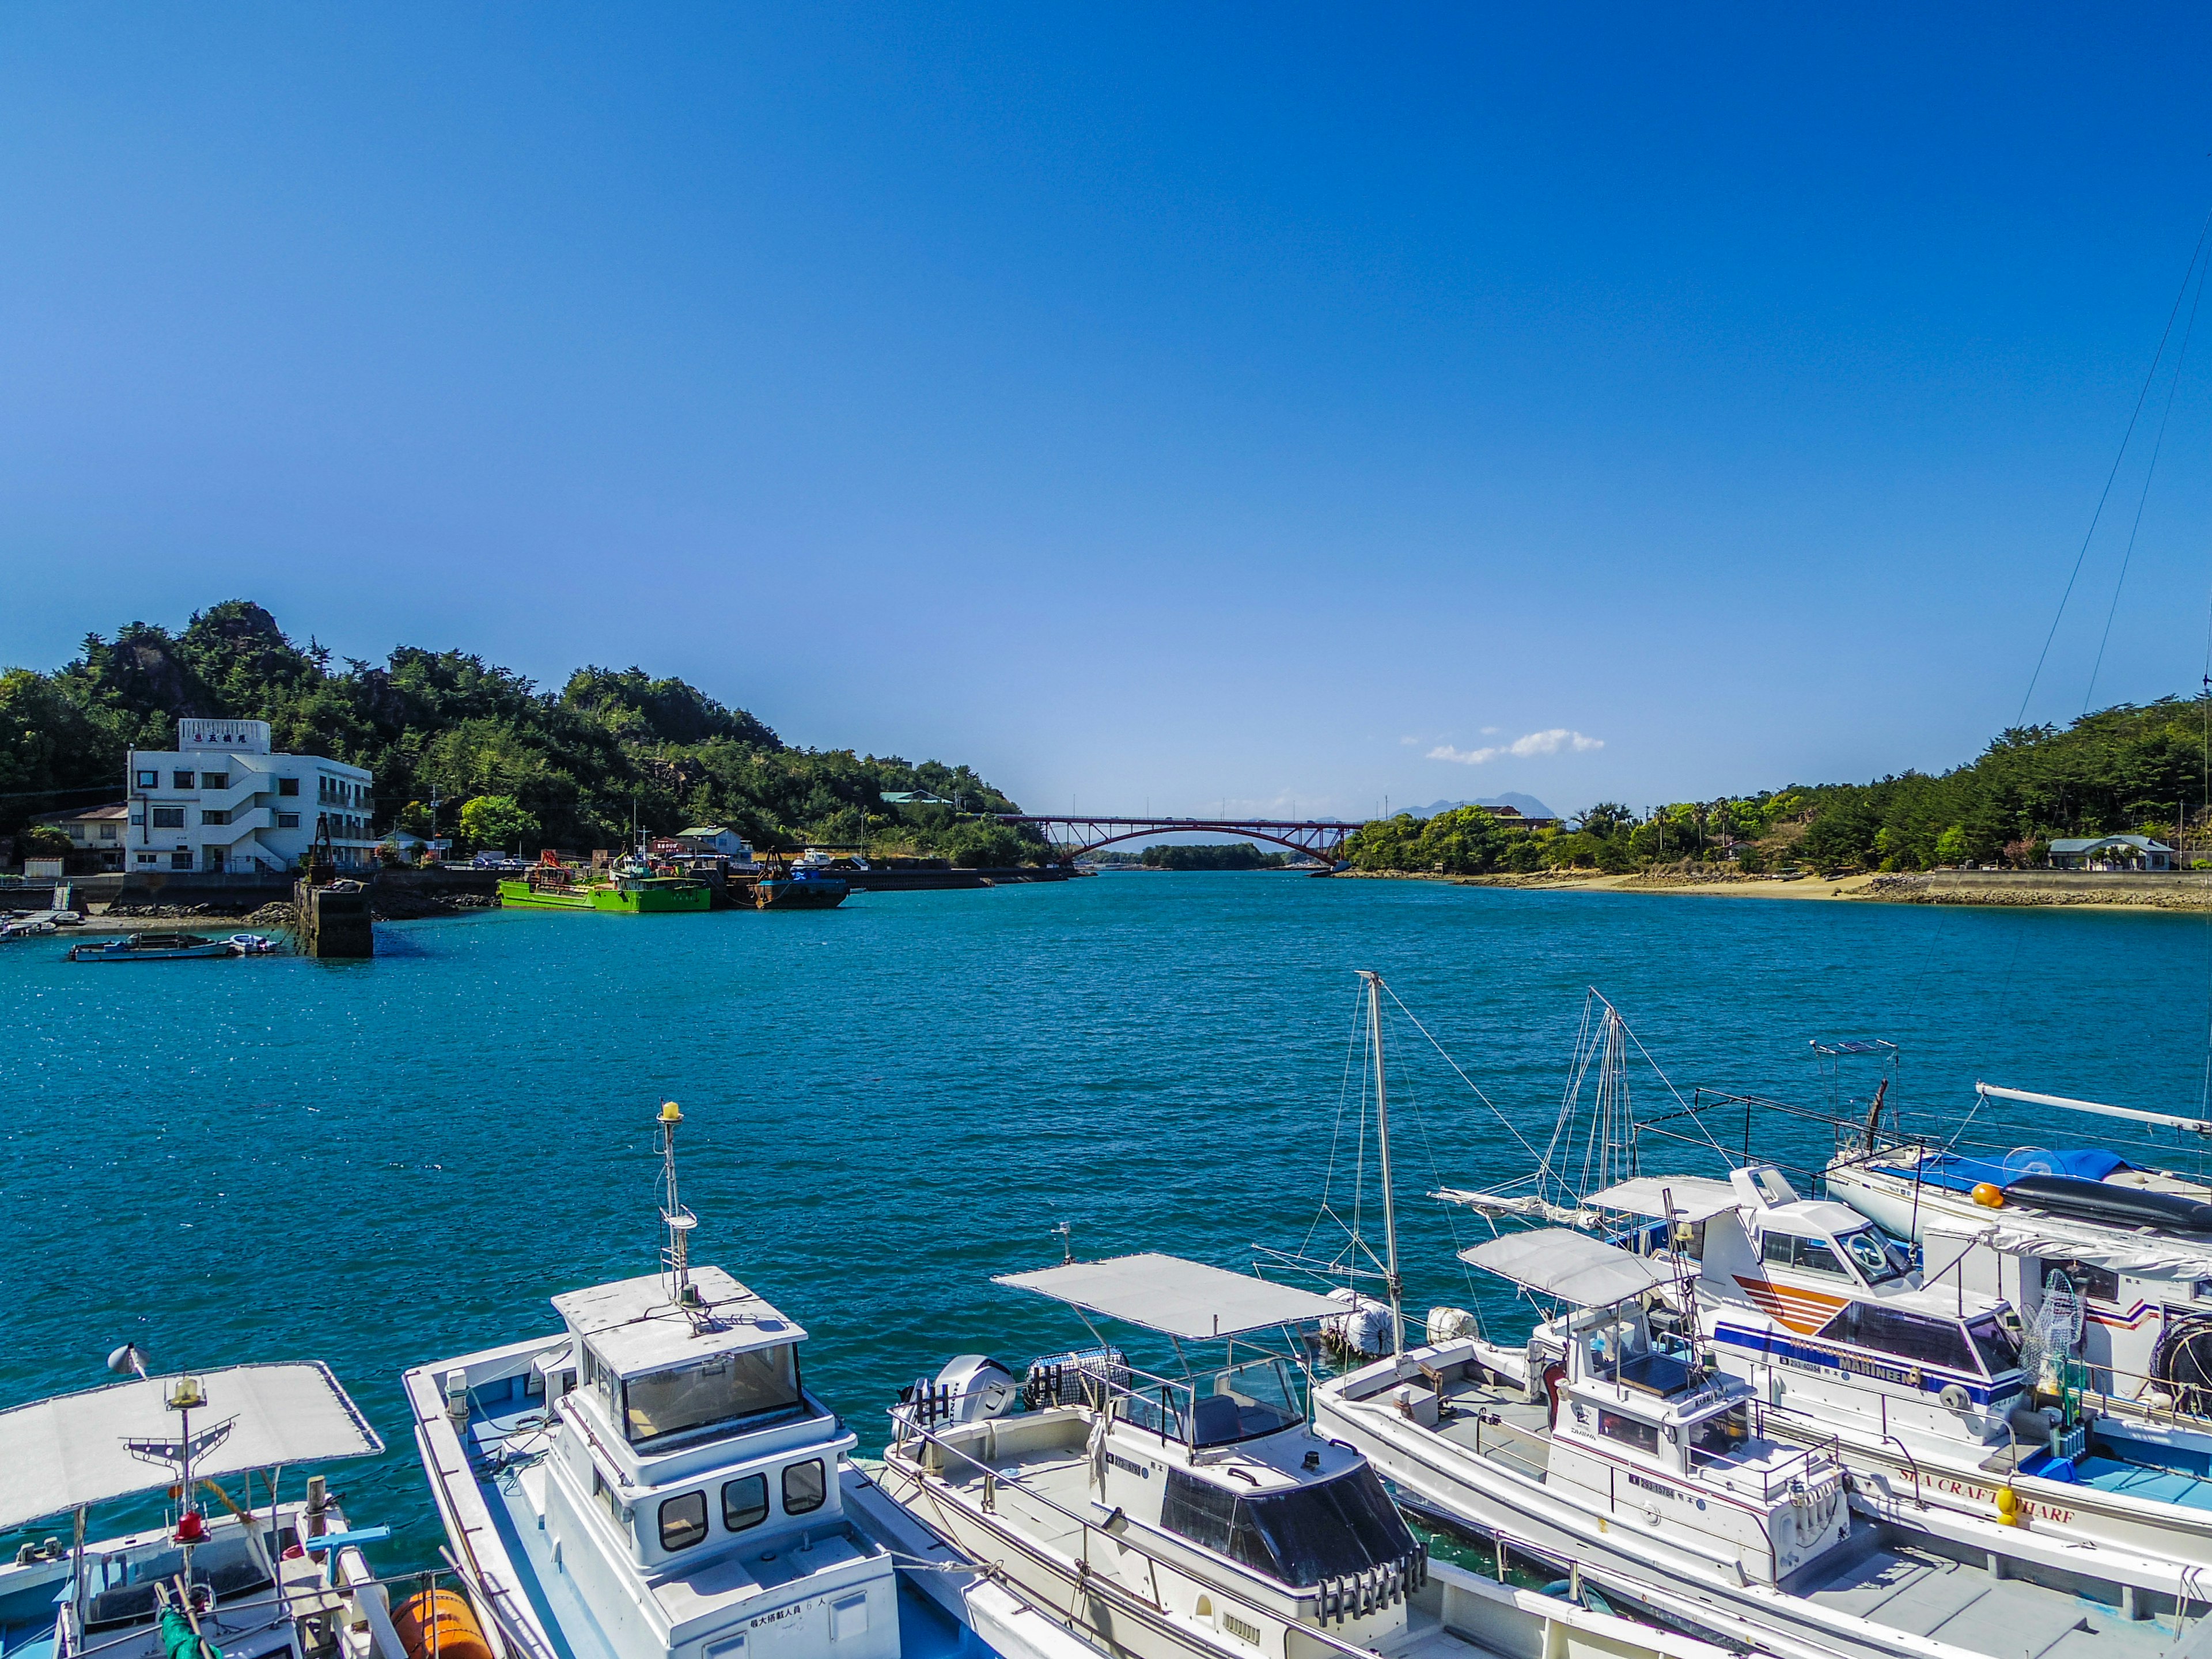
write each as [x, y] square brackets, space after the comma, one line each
[805, 887]
[261, 1578]
[1196, 1514]
[1606, 1436]
[654, 1480]
[628, 889]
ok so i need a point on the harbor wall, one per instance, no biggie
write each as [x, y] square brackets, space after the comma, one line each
[2176, 889]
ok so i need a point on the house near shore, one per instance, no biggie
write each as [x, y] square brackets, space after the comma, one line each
[717, 840]
[2112, 853]
[1519, 819]
[96, 833]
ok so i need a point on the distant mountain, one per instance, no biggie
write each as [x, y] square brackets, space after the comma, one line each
[1527, 805]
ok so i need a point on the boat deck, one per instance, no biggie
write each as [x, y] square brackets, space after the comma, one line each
[507, 1445]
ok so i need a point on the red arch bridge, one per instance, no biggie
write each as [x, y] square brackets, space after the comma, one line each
[1073, 835]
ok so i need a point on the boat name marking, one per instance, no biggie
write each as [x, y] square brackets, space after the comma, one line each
[1981, 1494]
[1129, 1464]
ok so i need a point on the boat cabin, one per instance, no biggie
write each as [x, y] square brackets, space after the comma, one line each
[1641, 1428]
[1823, 1311]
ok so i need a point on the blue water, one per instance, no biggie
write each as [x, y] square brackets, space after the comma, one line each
[383, 1163]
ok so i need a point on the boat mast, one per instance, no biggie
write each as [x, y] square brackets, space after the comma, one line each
[678, 1220]
[1383, 1138]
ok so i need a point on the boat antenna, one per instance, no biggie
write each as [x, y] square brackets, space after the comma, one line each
[679, 1221]
[1382, 1139]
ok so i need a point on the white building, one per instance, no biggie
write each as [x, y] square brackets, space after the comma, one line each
[221, 801]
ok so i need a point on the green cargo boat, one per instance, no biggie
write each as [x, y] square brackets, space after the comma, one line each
[624, 895]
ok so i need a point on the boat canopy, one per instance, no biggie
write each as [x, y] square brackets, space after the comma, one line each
[1572, 1267]
[1962, 1175]
[1697, 1198]
[1175, 1297]
[71, 1451]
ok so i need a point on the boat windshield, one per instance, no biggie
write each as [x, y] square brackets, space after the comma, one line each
[722, 1388]
[1239, 1402]
[1298, 1537]
[1878, 1257]
[1999, 1352]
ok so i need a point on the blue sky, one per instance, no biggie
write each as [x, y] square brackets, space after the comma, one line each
[1287, 407]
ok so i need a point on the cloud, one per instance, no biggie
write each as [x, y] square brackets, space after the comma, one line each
[1409, 741]
[1535, 743]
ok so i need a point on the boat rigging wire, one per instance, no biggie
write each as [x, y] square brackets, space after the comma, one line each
[2126, 437]
[2158, 444]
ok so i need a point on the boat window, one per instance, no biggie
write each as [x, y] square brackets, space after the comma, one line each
[2099, 1283]
[744, 1503]
[1629, 1430]
[1878, 1257]
[610, 1499]
[1908, 1335]
[683, 1521]
[1298, 1537]
[1720, 1436]
[803, 1487]
[723, 1387]
[1999, 1352]
[1810, 1255]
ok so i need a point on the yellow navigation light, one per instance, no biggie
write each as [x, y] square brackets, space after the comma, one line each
[669, 1113]
[187, 1395]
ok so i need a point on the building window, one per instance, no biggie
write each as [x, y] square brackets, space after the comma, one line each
[180, 860]
[683, 1521]
[744, 1503]
[181, 780]
[149, 780]
[107, 831]
[215, 780]
[76, 834]
[167, 817]
[149, 858]
[214, 816]
[803, 1487]
[287, 820]
[288, 785]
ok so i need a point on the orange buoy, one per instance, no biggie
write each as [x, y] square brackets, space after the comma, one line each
[1988, 1195]
[439, 1624]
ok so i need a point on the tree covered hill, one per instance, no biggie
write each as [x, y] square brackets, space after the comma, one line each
[574, 762]
[2127, 767]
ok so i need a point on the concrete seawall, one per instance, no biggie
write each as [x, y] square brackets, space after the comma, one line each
[2180, 890]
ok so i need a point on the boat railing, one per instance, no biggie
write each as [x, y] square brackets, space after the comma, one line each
[1197, 1412]
[1352, 1596]
[1814, 1441]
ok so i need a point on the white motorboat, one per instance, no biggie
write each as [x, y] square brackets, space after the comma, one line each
[1920, 1379]
[653, 1480]
[1196, 1513]
[1602, 1439]
[228, 1569]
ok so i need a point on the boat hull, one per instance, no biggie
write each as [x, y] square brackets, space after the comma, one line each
[770, 894]
[674, 898]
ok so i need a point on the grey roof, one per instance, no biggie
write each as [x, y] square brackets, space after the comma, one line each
[1571, 1266]
[56, 1454]
[635, 1328]
[2082, 844]
[1179, 1298]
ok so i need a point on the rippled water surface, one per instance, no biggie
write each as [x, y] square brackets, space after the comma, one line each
[383, 1163]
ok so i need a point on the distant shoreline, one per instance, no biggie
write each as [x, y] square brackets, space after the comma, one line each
[2020, 891]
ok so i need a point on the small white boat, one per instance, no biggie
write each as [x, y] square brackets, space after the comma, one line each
[226, 1569]
[251, 945]
[28, 927]
[1196, 1513]
[152, 947]
[654, 1481]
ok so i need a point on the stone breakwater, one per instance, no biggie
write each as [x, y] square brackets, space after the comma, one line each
[2184, 890]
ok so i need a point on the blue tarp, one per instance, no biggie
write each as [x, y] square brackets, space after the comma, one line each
[1962, 1175]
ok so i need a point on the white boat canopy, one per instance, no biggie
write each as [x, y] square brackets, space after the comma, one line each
[72, 1451]
[1697, 1198]
[1175, 1297]
[1570, 1266]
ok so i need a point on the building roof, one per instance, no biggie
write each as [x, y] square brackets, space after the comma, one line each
[913, 798]
[1573, 1267]
[634, 1328]
[73, 1449]
[704, 832]
[85, 815]
[2084, 844]
[1177, 1297]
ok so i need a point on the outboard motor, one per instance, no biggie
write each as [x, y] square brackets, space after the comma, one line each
[970, 1388]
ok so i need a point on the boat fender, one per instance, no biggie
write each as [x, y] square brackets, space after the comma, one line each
[1449, 1325]
[2007, 1507]
[1555, 1382]
[1954, 1397]
[1989, 1196]
[439, 1622]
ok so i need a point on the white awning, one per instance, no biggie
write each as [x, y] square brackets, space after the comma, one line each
[1168, 1294]
[1570, 1266]
[57, 1455]
[1697, 1198]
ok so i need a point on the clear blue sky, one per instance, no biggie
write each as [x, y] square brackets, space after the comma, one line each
[1152, 407]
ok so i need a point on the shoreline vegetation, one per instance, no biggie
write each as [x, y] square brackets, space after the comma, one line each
[1980, 832]
[513, 766]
